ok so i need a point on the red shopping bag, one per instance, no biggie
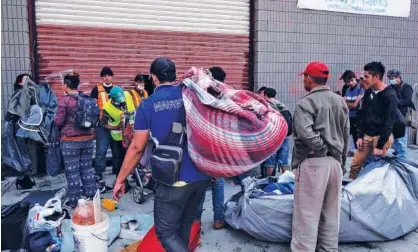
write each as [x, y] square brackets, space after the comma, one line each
[151, 242]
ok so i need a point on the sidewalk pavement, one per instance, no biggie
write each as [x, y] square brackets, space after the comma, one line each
[212, 240]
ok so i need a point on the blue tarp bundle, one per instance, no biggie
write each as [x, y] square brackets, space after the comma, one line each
[380, 205]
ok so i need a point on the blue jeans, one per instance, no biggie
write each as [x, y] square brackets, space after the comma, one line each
[102, 144]
[103, 141]
[283, 153]
[217, 201]
[400, 146]
[280, 158]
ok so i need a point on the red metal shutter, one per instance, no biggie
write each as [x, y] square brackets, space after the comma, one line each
[127, 35]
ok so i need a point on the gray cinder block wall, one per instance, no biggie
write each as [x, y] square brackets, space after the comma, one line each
[15, 58]
[287, 38]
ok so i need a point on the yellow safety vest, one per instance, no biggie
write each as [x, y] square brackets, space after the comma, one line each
[115, 115]
[102, 98]
[137, 97]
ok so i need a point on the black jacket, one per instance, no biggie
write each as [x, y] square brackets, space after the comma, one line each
[377, 114]
[404, 93]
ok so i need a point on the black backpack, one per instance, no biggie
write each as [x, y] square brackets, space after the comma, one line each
[289, 119]
[87, 113]
[286, 115]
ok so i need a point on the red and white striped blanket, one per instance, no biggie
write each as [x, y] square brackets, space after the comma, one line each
[231, 133]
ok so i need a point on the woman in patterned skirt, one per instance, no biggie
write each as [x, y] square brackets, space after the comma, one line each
[76, 145]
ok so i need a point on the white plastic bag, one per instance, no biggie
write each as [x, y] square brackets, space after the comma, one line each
[39, 217]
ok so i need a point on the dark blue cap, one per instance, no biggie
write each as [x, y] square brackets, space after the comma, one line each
[394, 73]
[163, 68]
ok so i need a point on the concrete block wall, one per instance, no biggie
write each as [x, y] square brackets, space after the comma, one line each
[15, 58]
[287, 38]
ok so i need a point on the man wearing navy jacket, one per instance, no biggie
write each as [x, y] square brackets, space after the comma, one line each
[175, 206]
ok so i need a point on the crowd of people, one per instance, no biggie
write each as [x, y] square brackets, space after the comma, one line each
[375, 130]
[325, 129]
[117, 112]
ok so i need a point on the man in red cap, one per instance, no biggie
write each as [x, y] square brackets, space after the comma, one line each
[321, 132]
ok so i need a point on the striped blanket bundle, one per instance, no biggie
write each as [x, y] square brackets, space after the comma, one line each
[229, 131]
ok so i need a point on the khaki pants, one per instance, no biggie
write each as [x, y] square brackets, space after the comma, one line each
[369, 143]
[317, 205]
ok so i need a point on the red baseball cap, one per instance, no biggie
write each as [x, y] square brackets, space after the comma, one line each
[316, 69]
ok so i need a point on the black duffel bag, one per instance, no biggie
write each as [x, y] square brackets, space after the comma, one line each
[13, 224]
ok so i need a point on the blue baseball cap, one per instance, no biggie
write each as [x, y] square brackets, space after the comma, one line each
[117, 94]
[394, 73]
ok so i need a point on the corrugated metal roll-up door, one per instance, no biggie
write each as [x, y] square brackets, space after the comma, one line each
[127, 35]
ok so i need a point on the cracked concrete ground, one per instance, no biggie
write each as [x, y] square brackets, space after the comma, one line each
[221, 240]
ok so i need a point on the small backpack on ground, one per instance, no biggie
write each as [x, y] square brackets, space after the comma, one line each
[87, 113]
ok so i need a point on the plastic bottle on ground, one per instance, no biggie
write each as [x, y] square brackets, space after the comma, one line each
[83, 213]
